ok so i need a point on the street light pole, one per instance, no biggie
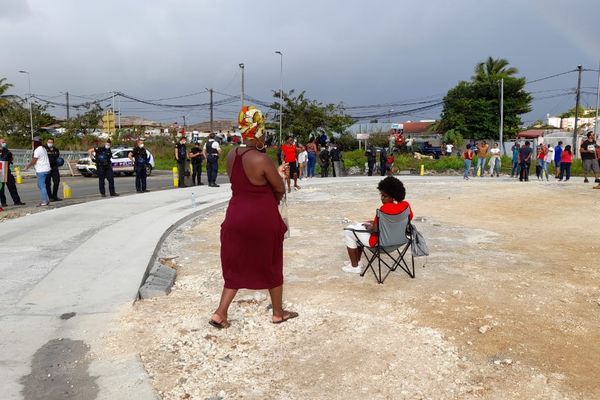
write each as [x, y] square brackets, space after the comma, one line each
[280, 94]
[242, 94]
[502, 116]
[29, 101]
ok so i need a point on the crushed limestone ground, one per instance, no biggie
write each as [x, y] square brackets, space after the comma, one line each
[506, 307]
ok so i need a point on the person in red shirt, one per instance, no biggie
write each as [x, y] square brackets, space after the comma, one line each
[289, 152]
[392, 194]
[566, 158]
[468, 157]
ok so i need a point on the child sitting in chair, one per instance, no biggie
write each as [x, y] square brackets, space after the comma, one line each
[357, 236]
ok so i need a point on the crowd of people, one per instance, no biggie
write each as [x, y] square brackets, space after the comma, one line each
[545, 157]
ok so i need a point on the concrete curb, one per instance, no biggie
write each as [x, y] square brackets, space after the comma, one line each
[158, 279]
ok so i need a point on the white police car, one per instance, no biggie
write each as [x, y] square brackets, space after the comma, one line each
[120, 162]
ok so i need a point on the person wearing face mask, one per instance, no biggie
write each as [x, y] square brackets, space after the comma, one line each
[102, 155]
[181, 156]
[54, 175]
[6, 155]
[41, 163]
[211, 151]
[140, 159]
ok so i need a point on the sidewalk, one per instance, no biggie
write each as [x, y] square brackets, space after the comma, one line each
[87, 259]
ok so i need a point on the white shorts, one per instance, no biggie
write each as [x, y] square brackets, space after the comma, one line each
[350, 238]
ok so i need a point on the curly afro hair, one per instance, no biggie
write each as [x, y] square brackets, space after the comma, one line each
[392, 187]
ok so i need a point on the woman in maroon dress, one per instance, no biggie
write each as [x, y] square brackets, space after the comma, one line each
[252, 233]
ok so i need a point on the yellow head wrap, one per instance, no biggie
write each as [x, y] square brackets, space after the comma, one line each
[252, 123]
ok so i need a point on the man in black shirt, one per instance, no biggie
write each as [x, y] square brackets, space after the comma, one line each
[336, 160]
[196, 156]
[181, 156]
[6, 155]
[140, 159]
[382, 161]
[525, 154]
[102, 156]
[370, 154]
[589, 157]
[324, 161]
[211, 152]
[54, 175]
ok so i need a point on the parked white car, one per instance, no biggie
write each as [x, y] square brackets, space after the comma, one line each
[120, 162]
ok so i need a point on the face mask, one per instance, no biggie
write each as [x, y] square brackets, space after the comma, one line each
[4, 145]
[141, 145]
[50, 145]
[182, 142]
[107, 146]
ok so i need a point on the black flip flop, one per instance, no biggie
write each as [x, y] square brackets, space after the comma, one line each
[219, 325]
[290, 315]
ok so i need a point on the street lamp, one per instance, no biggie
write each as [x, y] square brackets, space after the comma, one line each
[280, 94]
[390, 114]
[29, 101]
[242, 95]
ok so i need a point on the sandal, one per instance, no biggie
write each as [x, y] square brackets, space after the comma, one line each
[287, 315]
[219, 325]
[296, 187]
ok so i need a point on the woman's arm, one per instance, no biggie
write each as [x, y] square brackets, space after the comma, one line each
[272, 175]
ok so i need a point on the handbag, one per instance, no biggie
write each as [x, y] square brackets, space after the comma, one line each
[283, 211]
[418, 246]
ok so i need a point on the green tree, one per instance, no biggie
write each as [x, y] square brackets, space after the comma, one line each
[493, 70]
[5, 99]
[473, 107]
[303, 116]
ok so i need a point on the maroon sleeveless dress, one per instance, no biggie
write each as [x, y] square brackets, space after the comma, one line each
[252, 234]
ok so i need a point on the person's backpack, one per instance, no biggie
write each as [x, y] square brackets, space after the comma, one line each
[418, 246]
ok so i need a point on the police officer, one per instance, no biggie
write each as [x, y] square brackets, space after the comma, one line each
[140, 159]
[6, 155]
[211, 152]
[196, 155]
[382, 161]
[102, 156]
[181, 156]
[324, 161]
[370, 154]
[54, 175]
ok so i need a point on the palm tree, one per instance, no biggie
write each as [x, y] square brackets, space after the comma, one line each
[493, 69]
[5, 99]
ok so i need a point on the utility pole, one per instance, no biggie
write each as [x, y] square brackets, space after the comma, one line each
[597, 104]
[242, 94]
[577, 98]
[184, 126]
[502, 116]
[119, 117]
[67, 96]
[211, 110]
[280, 95]
[29, 101]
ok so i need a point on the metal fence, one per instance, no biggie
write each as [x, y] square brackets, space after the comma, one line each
[22, 158]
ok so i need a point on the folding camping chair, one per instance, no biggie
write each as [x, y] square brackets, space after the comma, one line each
[394, 239]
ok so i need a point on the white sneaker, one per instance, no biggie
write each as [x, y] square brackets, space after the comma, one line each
[352, 270]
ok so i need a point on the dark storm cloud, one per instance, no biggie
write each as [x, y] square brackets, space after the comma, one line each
[353, 51]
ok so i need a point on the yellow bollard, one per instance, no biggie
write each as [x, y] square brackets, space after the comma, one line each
[478, 171]
[67, 192]
[422, 169]
[19, 177]
[175, 177]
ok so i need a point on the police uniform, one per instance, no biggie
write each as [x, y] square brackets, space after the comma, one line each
[197, 165]
[6, 155]
[324, 158]
[212, 161]
[54, 175]
[182, 154]
[140, 163]
[104, 168]
[370, 154]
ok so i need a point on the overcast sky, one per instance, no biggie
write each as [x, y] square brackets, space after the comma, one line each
[356, 52]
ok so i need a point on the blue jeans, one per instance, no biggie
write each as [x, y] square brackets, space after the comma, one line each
[467, 168]
[516, 170]
[312, 163]
[41, 184]
[545, 169]
[481, 164]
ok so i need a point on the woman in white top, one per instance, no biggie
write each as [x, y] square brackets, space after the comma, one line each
[495, 160]
[41, 163]
[302, 161]
[548, 159]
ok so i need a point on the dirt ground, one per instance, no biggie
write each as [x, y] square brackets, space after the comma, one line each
[507, 306]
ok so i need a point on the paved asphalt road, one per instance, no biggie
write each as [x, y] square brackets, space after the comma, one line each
[86, 189]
